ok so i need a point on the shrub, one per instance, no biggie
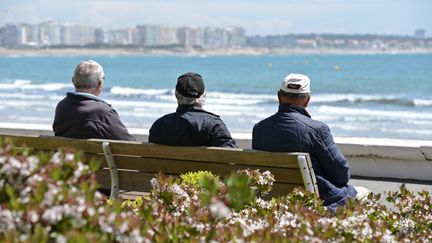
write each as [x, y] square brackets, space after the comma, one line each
[53, 197]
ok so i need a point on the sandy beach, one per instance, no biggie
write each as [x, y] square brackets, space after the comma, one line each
[201, 52]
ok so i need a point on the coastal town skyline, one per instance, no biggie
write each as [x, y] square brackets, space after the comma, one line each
[257, 18]
[58, 34]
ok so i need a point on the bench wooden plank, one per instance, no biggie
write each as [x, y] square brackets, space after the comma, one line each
[54, 143]
[139, 181]
[287, 175]
[238, 156]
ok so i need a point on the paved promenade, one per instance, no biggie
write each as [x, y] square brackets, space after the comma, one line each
[379, 186]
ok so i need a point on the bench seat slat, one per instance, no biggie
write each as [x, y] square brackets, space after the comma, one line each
[134, 181]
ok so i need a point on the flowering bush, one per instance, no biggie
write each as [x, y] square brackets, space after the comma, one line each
[54, 197]
[46, 197]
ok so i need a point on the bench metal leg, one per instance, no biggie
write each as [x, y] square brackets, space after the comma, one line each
[113, 170]
[305, 171]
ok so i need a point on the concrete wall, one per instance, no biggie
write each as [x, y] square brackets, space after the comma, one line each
[369, 157]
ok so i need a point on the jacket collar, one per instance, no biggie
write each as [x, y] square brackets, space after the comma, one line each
[185, 108]
[86, 95]
[293, 108]
[189, 108]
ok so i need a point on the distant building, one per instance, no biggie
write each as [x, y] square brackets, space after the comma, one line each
[51, 33]
[76, 35]
[101, 36]
[118, 37]
[227, 37]
[149, 35]
[11, 35]
[236, 37]
[168, 36]
[190, 37]
[420, 33]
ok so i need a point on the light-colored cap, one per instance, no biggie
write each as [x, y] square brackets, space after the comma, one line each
[296, 84]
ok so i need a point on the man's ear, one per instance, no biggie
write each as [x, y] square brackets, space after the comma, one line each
[100, 85]
[307, 101]
[280, 98]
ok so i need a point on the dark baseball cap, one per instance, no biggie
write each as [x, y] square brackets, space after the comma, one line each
[190, 85]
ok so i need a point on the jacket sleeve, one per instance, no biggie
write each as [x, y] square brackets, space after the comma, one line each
[113, 128]
[221, 137]
[331, 160]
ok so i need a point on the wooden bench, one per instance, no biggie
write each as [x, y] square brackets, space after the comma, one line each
[131, 165]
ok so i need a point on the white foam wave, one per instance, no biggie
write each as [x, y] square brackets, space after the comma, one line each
[28, 85]
[21, 96]
[353, 98]
[22, 104]
[126, 91]
[377, 114]
[422, 102]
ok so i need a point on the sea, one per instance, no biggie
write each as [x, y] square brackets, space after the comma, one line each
[378, 96]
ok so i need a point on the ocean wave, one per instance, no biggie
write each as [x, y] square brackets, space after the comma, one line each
[373, 113]
[422, 102]
[29, 85]
[374, 99]
[23, 89]
[129, 92]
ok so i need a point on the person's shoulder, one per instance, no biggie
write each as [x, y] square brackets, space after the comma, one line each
[165, 118]
[310, 122]
[203, 112]
[266, 121]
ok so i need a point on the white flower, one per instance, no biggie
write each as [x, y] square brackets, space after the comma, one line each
[263, 203]
[154, 183]
[56, 158]
[34, 217]
[69, 157]
[91, 211]
[61, 238]
[219, 210]
[53, 215]
[124, 227]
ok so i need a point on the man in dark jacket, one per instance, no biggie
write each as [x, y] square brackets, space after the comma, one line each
[191, 125]
[292, 129]
[82, 114]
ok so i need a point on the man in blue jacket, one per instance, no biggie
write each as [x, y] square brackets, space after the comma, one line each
[191, 125]
[292, 129]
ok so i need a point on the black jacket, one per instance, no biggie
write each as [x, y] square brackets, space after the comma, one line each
[191, 126]
[81, 116]
[291, 129]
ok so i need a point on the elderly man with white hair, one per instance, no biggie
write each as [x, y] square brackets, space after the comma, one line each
[83, 114]
[191, 125]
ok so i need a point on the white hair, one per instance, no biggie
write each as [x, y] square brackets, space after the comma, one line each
[87, 75]
[182, 100]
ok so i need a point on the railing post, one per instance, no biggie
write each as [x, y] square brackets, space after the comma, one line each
[113, 170]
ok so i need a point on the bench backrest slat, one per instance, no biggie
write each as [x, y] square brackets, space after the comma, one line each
[212, 154]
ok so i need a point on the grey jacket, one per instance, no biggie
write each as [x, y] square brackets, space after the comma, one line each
[84, 116]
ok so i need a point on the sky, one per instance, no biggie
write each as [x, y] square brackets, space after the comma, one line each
[271, 17]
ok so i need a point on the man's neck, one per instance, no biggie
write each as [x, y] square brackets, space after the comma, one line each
[90, 91]
[294, 103]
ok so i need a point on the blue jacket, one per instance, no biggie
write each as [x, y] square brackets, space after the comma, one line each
[291, 129]
[191, 126]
